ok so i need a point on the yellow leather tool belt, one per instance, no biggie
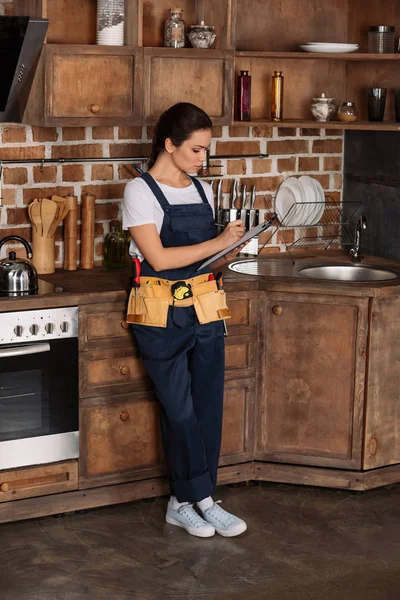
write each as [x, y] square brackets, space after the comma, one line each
[149, 304]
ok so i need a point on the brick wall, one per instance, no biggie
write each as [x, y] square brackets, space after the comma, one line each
[292, 152]
[318, 153]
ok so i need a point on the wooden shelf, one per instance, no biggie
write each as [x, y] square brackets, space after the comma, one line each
[361, 56]
[306, 124]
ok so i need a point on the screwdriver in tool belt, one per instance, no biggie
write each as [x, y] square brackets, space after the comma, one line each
[218, 281]
[135, 274]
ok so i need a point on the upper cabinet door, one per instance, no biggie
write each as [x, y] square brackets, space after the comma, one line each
[188, 75]
[92, 85]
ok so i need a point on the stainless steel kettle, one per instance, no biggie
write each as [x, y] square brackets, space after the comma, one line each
[18, 276]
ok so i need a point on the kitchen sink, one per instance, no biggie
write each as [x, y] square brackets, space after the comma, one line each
[351, 273]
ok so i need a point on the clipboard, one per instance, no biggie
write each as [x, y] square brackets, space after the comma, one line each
[246, 238]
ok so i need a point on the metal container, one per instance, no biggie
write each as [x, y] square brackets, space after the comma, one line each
[381, 39]
[18, 276]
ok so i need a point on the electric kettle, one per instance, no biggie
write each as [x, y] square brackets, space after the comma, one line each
[18, 276]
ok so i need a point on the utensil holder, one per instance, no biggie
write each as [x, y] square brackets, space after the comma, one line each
[71, 234]
[87, 231]
[43, 253]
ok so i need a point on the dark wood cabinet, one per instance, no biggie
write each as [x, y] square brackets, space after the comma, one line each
[39, 480]
[120, 439]
[313, 366]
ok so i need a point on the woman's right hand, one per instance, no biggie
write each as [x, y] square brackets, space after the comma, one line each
[232, 233]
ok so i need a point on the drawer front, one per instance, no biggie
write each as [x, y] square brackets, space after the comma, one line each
[113, 371]
[104, 326]
[120, 439]
[105, 86]
[29, 482]
[244, 313]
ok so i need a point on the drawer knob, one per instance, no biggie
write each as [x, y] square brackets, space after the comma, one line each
[94, 108]
[4, 487]
[124, 416]
[124, 370]
[124, 325]
[277, 310]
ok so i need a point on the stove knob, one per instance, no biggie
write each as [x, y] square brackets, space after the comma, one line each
[49, 327]
[18, 330]
[34, 329]
[64, 326]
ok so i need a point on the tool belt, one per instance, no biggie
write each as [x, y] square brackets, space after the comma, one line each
[149, 304]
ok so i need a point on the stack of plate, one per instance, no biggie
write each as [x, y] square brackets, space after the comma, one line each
[329, 47]
[300, 202]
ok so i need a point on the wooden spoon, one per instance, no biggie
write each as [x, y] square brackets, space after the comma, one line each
[34, 214]
[48, 213]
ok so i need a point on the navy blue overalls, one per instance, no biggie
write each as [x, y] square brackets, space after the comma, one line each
[185, 361]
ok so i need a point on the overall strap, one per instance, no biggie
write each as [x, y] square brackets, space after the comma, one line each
[156, 191]
[200, 189]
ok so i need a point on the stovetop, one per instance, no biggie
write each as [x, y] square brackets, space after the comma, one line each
[44, 288]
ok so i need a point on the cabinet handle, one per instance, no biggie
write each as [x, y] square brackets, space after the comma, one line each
[277, 310]
[4, 487]
[124, 370]
[124, 416]
[94, 108]
[124, 325]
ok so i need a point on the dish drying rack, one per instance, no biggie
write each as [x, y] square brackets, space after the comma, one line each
[331, 230]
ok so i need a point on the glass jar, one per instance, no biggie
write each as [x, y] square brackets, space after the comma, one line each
[347, 112]
[110, 22]
[115, 249]
[381, 39]
[175, 29]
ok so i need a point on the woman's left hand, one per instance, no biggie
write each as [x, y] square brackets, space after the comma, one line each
[234, 252]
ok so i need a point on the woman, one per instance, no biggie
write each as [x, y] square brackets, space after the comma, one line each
[179, 329]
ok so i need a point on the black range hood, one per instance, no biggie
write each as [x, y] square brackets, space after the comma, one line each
[21, 41]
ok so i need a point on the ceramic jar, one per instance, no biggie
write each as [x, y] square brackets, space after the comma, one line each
[347, 113]
[322, 108]
[110, 22]
[202, 36]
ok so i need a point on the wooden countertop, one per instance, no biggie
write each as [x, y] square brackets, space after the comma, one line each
[103, 285]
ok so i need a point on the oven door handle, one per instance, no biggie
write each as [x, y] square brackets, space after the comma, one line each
[23, 350]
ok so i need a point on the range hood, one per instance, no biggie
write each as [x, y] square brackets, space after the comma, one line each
[21, 41]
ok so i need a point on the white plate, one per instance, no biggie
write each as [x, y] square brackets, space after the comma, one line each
[331, 48]
[341, 45]
[310, 210]
[284, 200]
[321, 199]
[295, 216]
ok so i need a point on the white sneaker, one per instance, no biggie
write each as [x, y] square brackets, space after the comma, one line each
[224, 522]
[187, 518]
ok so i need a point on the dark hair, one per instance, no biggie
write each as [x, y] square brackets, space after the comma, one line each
[177, 123]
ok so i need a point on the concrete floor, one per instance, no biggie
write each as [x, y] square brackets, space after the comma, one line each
[301, 543]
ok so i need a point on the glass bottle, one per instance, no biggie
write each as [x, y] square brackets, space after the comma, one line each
[175, 29]
[277, 96]
[115, 247]
[243, 97]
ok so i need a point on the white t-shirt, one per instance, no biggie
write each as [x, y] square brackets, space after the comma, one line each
[141, 207]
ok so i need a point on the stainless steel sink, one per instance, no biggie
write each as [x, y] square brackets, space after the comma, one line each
[351, 273]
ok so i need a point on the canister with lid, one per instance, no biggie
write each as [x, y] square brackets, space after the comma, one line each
[381, 39]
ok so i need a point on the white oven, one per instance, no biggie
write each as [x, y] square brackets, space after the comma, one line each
[38, 387]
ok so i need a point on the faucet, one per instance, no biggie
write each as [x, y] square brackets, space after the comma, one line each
[355, 250]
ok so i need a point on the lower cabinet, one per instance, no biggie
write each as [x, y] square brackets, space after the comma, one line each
[237, 426]
[120, 439]
[313, 365]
